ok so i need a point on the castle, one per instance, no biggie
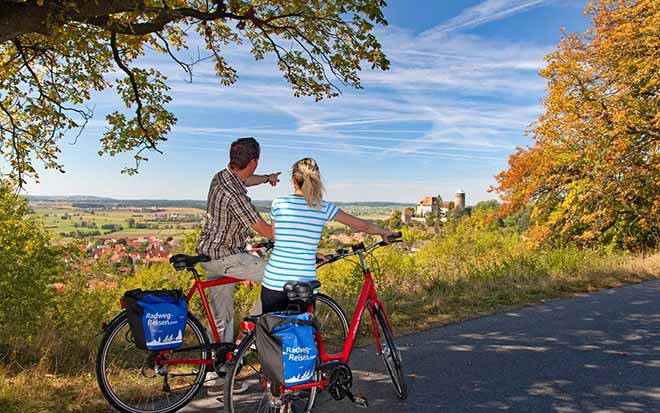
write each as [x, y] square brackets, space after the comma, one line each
[435, 206]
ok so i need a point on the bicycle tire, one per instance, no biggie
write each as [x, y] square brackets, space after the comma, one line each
[391, 355]
[258, 399]
[120, 385]
[333, 342]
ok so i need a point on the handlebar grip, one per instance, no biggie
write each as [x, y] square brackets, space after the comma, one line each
[396, 235]
[328, 259]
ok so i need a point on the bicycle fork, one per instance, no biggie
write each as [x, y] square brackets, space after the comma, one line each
[373, 307]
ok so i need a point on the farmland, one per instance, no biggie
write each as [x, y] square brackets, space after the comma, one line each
[65, 221]
[68, 218]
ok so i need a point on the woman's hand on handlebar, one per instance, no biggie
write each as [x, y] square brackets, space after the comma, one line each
[390, 237]
[386, 235]
[321, 258]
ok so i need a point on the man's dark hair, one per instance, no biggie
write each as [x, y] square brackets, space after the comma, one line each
[242, 151]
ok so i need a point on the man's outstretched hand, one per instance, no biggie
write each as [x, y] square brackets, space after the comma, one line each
[273, 178]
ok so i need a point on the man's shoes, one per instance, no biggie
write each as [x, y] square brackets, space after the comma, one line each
[211, 378]
[216, 385]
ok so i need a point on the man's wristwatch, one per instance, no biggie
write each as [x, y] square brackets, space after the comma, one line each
[267, 178]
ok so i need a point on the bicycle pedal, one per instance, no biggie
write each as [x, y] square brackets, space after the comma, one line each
[360, 401]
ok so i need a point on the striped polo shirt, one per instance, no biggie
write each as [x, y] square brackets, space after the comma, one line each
[298, 231]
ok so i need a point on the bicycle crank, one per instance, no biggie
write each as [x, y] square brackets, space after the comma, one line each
[340, 379]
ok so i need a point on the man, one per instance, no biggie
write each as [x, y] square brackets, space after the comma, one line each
[230, 215]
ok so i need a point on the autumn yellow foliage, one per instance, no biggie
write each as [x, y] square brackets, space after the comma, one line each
[593, 172]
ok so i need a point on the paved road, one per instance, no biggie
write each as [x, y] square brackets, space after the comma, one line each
[595, 353]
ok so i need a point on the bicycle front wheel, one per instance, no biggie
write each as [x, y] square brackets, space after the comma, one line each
[332, 323]
[391, 355]
[131, 382]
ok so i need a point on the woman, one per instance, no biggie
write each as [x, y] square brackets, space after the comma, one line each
[298, 222]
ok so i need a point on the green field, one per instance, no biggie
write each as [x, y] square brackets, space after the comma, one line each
[62, 220]
[370, 212]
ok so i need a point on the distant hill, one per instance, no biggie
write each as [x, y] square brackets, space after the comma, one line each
[375, 204]
[86, 201]
[69, 198]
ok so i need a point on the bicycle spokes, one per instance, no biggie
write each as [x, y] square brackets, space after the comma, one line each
[142, 381]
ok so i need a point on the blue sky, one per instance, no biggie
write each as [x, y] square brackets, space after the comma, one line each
[462, 89]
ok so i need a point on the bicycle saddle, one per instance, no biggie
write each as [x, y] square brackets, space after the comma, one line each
[187, 262]
[301, 290]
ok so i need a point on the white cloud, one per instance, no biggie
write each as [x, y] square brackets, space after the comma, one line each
[458, 90]
[485, 12]
[317, 144]
[426, 89]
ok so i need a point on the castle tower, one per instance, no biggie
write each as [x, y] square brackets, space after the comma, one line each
[459, 201]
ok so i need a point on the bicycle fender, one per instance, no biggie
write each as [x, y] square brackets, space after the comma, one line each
[112, 322]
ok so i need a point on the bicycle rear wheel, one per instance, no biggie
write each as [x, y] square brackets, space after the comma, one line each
[129, 381]
[391, 355]
[246, 368]
[259, 397]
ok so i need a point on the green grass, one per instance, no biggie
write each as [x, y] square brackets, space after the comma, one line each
[525, 282]
[49, 393]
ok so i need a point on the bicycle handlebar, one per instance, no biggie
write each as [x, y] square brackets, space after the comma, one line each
[341, 252]
[359, 249]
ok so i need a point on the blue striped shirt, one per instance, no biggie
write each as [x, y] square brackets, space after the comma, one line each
[298, 230]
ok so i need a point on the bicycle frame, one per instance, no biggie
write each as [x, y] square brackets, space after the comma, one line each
[368, 299]
[200, 286]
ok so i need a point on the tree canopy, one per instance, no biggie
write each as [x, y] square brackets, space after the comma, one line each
[593, 173]
[55, 53]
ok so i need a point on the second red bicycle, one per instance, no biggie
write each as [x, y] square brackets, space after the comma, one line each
[333, 372]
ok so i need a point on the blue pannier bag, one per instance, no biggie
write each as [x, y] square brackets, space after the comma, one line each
[157, 318]
[286, 347]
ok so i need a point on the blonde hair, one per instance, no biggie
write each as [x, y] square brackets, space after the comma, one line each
[307, 175]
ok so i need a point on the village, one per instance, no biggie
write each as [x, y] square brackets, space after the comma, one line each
[133, 251]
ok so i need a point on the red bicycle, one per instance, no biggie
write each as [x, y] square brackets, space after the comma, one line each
[333, 373]
[142, 381]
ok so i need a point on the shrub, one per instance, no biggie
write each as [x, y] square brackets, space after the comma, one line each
[28, 265]
[72, 323]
